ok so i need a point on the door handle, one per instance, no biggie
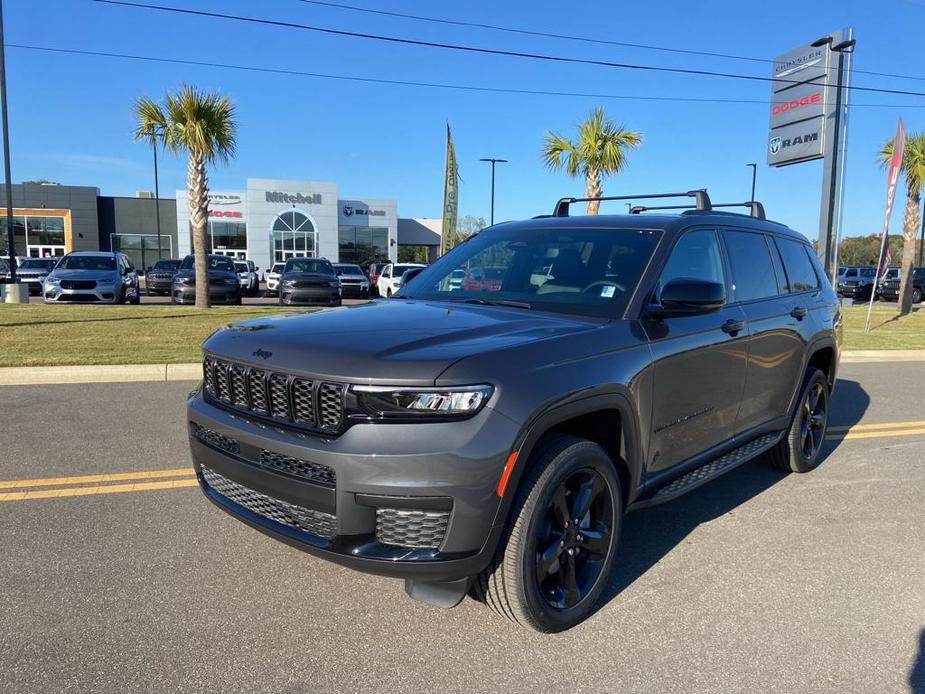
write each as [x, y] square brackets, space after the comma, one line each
[733, 326]
[798, 312]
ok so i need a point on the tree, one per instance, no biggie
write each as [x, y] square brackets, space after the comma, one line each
[468, 226]
[202, 124]
[913, 167]
[598, 151]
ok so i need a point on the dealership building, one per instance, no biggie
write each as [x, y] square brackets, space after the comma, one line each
[269, 221]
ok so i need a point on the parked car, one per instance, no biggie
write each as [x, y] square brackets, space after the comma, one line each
[891, 273]
[92, 276]
[492, 441]
[373, 269]
[409, 275]
[889, 288]
[32, 271]
[309, 281]
[273, 275]
[159, 277]
[856, 282]
[247, 277]
[390, 279]
[483, 279]
[354, 284]
[456, 279]
[224, 286]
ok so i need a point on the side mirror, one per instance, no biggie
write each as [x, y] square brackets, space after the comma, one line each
[688, 295]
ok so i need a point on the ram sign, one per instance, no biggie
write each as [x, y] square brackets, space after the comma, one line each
[799, 105]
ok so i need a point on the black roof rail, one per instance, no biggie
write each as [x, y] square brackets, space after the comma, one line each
[756, 209]
[701, 198]
[636, 209]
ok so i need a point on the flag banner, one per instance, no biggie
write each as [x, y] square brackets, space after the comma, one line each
[892, 177]
[450, 196]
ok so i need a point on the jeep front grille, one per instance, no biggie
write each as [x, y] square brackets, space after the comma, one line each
[315, 405]
[214, 439]
[316, 472]
[298, 517]
[407, 528]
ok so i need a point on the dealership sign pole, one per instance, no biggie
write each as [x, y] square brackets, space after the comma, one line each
[892, 176]
[807, 119]
[10, 240]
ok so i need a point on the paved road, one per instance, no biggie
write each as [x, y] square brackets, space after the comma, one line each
[758, 582]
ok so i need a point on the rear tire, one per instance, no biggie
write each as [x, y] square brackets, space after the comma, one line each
[549, 572]
[916, 295]
[800, 449]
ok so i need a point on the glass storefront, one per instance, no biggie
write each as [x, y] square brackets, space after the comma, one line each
[142, 248]
[362, 244]
[294, 236]
[35, 236]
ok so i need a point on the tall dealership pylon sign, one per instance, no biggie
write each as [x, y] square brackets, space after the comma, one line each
[450, 196]
[809, 119]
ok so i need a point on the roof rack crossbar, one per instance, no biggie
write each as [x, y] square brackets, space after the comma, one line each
[700, 196]
[756, 209]
[636, 209]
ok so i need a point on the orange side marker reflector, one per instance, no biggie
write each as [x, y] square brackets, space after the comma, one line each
[506, 472]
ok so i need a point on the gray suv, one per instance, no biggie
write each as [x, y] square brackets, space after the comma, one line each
[488, 440]
[92, 276]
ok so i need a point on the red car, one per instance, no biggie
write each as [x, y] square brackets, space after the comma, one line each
[483, 279]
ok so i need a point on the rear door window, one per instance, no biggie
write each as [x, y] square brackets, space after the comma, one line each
[800, 273]
[752, 268]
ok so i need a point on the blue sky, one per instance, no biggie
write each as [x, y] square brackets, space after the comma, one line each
[70, 116]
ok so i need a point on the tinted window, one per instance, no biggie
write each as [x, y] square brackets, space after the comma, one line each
[88, 262]
[581, 271]
[309, 265]
[38, 263]
[216, 262]
[868, 272]
[695, 256]
[348, 270]
[752, 268]
[800, 272]
[166, 265]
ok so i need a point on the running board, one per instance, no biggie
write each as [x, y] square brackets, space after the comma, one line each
[709, 471]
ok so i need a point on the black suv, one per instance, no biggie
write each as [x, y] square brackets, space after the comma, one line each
[224, 285]
[889, 288]
[159, 277]
[490, 440]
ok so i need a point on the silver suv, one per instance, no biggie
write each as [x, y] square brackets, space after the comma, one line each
[93, 276]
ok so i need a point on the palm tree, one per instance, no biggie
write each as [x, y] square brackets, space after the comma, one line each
[202, 124]
[913, 166]
[598, 151]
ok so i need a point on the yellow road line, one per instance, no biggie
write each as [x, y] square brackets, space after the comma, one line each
[875, 434]
[86, 479]
[97, 489]
[881, 425]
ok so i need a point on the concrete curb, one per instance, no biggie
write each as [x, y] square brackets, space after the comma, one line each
[129, 373]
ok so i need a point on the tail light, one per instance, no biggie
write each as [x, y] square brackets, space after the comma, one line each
[374, 279]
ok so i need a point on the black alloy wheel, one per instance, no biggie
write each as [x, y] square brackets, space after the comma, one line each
[574, 539]
[800, 449]
[814, 412]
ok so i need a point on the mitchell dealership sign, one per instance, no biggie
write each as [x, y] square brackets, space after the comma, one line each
[294, 198]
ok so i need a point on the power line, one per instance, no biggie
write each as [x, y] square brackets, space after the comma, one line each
[572, 37]
[410, 83]
[487, 51]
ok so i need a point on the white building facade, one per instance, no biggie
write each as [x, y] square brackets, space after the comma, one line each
[273, 220]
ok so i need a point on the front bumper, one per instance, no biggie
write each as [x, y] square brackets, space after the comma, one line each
[159, 286]
[309, 295]
[853, 292]
[106, 294]
[387, 477]
[186, 293]
[354, 291]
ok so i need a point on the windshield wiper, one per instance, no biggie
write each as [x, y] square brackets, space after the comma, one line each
[498, 302]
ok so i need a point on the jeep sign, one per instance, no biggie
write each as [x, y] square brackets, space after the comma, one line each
[796, 142]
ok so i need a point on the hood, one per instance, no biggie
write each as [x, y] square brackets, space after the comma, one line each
[405, 342]
[98, 275]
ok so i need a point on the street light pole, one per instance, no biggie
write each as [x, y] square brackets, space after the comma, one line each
[754, 176]
[10, 241]
[493, 162]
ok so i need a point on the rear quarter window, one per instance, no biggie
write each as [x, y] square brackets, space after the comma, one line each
[800, 271]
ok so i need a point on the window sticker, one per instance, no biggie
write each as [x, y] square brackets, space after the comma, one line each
[607, 291]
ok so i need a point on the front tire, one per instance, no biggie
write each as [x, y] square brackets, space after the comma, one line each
[800, 449]
[550, 571]
[916, 295]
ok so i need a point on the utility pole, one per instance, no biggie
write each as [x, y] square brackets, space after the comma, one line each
[754, 176]
[10, 241]
[493, 162]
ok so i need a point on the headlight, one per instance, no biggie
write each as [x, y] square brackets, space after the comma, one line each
[185, 280]
[387, 402]
[287, 283]
[52, 280]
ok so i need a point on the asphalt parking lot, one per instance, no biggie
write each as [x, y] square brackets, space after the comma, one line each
[757, 582]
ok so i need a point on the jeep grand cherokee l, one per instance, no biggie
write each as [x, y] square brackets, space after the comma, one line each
[490, 441]
[224, 285]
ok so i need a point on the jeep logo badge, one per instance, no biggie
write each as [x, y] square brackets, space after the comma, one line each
[262, 354]
[774, 145]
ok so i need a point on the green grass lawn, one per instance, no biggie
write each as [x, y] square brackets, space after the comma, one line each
[40, 335]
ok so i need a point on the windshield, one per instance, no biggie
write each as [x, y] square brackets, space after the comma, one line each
[166, 265]
[868, 272]
[850, 272]
[399, 270]
[347, 270]
[39, 263]
[309, 265]
[87, 262]
[216, 262]
[277, 268]
[241, 267]
[583, 271]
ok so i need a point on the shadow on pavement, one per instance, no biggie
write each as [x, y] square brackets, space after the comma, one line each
[917, 673]
[650, 534]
